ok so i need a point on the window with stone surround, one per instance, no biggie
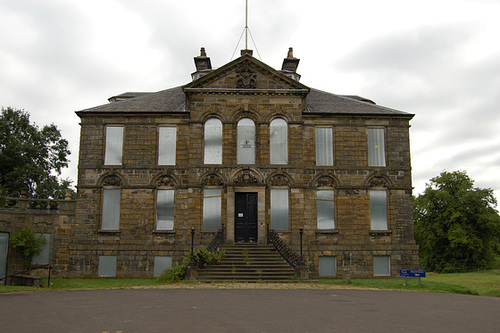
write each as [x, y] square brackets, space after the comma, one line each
[161, 263]
[113, 154]
[381, 265]
[43, 257]
[378, 209]
[279, 209]
[213, 141]
[246, 141]
[376, 147]
[324, 146]
[327, 266]
[212, 208]
[107, 266]
[165, 209]
[325, 209]
[167, 139]
[111, 209]
[279, 141]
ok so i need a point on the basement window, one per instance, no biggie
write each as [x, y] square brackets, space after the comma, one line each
[327, 266]
[381, 265]
[107, 266]
[161, 263]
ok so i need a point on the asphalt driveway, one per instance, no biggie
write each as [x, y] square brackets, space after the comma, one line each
[256, 310]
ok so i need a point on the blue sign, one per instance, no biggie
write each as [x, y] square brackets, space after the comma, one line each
[411, 273]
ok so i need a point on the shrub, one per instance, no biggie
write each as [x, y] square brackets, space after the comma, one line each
[28, 243]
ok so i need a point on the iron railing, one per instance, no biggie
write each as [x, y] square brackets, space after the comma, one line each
[290, 256]
[48, 266]
[212, 246]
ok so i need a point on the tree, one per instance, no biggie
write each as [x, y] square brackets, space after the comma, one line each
[456, 225]
[30, 157]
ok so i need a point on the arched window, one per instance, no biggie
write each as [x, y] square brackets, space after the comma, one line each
[213, 141]
[279, 141]
[246, 141]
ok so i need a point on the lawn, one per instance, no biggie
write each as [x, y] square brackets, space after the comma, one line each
[485, 283]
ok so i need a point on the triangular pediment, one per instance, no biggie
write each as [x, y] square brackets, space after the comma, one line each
[246, 73]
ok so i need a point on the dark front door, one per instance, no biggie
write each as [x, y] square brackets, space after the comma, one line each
[245, 219]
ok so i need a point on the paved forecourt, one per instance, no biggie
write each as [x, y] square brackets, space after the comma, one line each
[246, 310]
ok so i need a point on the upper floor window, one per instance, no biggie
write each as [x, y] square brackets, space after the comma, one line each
[324, 146]
[165, 209]
[167, 137]
[325, 209]
[246, 141]
[114, 145]
[279, 141]
[376, 147]
[378, 209]
[111, 209]
[213, 141]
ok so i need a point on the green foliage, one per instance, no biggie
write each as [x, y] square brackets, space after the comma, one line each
[28, 243]
[30, 157]
[456, 225]
[200, 256]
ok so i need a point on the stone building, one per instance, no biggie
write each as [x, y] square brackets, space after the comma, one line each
[248, 147]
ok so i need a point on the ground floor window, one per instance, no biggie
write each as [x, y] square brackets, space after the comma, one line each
[279, 209]
[381, 265]
[212, 202]
[161, 263]
[4, 249]
[165, 210]
[327, 266]
[44, 256]
[107, 266]
[111, 209]
[325, 209]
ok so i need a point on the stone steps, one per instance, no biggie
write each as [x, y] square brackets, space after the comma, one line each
[248, 263]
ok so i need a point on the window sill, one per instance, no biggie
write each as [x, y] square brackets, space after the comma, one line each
[164, 232]
[380, 232]
[327, 231]
[109, 231]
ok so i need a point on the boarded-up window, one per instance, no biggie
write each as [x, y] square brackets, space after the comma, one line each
[161, 263]
[324, 146]
[44, 256]
[279, 209]
[212, 209]
[111, 209]
[114, 145]
[378, 209]
[381, 265]
[107, 266]
[213, 141]
[165, 209]
[327, 266]
[246, 141]
[376, 147]
[325, 208]
[279, 141]
[4, 251]
[167, 138]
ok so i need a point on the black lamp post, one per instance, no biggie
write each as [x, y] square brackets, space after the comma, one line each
[301, 231]
[192, 241]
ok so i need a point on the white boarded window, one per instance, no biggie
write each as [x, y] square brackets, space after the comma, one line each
[376, 147]
[279, 209]
[107, 266]
[378, 209]
[324, 146]
[114, 145]
[213, 141]
[111, 209]
[327, 266]
[325, 209]
[381, 265]
[165, 209]
[161, 263]
[4, 251]
[212, 200]
[246, 141]
[44, 256]
[279, 141]
[167, 138]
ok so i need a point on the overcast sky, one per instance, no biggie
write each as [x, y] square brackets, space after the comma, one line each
[437, 59]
